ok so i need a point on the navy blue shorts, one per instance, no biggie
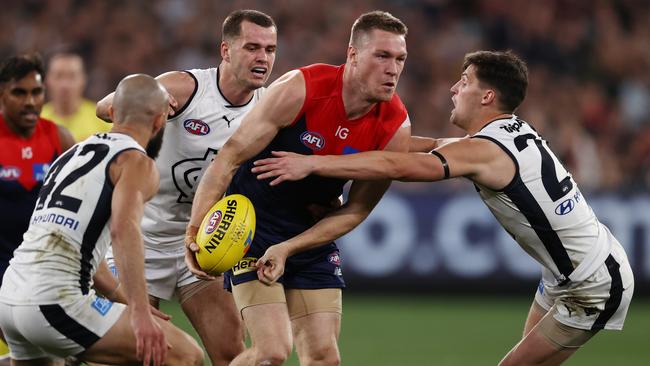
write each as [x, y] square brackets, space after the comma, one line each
[313, 269]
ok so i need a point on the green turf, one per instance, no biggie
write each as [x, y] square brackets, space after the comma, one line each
[426, 330]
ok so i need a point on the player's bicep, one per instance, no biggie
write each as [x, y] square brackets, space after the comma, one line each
[467, 157]
[277, 109]
[135, 182]
[180, 85]
[401, 140]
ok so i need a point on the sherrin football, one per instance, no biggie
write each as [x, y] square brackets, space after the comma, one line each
[225, 234]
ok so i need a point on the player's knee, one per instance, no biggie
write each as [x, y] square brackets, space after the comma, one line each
[194, 357]
[272, 356]
[325, 355]
[227, 354]
[189, 354]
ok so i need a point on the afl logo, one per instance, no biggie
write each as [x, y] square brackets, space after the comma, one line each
[334, 258]
[196, 127]
[312, 140]
[565, 207]
[213, 222]
[9, 173]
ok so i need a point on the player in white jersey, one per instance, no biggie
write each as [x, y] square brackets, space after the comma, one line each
[587, 282]
[208, 108]
[94, 195]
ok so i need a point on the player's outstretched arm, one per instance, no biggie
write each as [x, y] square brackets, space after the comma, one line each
[363, 197]
[477, 159]
[277, 109]
[135, 180]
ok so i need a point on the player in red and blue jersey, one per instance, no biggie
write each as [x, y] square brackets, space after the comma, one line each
[318, 109]
[29, 145]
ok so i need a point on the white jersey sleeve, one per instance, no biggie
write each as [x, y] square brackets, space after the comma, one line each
[68, 234]
[542, 207]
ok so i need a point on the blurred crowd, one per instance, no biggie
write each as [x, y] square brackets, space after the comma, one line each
[589, 92]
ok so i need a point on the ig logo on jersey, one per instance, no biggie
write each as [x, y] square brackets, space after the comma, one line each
[196, 127]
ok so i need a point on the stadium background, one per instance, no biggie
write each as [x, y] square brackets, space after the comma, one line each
[432, 278]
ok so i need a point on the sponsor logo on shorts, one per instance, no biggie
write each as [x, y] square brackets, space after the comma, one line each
[102, 305]
[312, 140]
[247, 264]
[540, 287]
[565, 207]
[213, 222]
[196, 127]
[338, 271]
[334, 258]
[9, 173]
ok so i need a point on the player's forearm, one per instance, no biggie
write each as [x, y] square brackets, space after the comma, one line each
[128, 250]
[211, 188]
[328, 229]
[371, 165]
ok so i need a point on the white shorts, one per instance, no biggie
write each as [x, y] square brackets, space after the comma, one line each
[165, 271]
[57, 330]
[599, 302]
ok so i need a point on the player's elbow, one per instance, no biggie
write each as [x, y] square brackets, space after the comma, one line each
[101, 110]
[123, 232]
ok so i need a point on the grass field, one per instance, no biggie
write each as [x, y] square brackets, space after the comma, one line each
[449, 331]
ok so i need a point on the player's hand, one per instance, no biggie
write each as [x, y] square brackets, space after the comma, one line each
[151, 345]
[191, 248]
[284, 166]
[271, 265]
[157, 313]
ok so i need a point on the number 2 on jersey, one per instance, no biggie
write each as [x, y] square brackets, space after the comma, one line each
[53, 190]
[555, 189]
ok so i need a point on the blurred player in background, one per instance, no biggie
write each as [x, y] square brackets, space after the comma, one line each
[66, 80]
[316, 109]
[92, 198]
[587, 282]
[209, 106]
[29, 145]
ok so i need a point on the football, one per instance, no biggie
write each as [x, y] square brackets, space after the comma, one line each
[226, 234]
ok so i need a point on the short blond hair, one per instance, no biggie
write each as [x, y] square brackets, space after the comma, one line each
[377, 19]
